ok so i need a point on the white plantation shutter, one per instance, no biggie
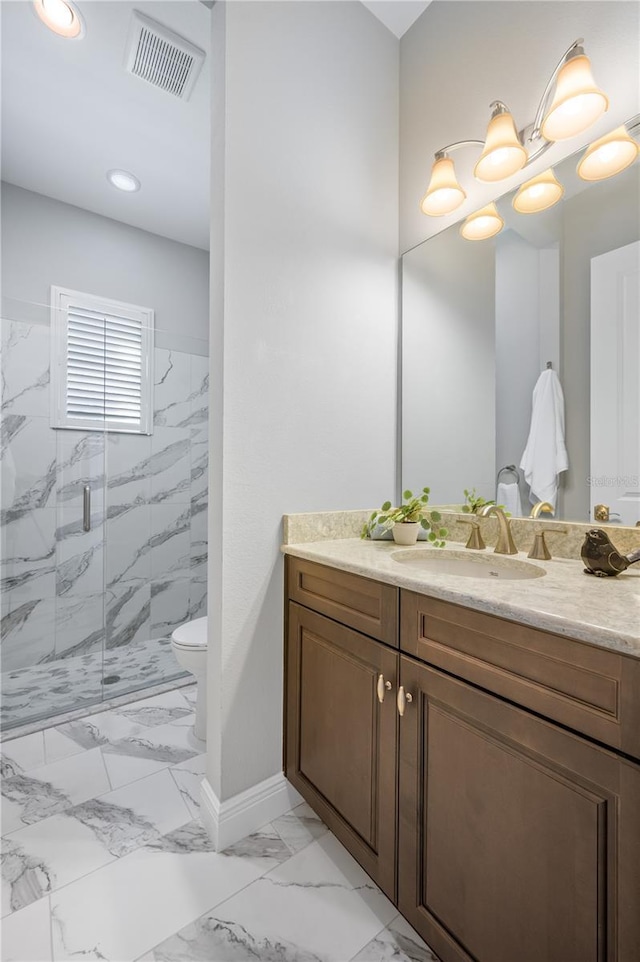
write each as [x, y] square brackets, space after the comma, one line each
[101, 370]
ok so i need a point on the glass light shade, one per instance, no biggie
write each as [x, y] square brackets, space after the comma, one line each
[485, 223]
[608, 155]
[577, 102]
[503, 154]
[538, 194]
[444, 193]
[61, 17]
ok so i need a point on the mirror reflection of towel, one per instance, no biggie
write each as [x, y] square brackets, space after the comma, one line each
[508, 494]
[545, 455]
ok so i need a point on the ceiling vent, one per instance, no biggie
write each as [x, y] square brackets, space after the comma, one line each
[161, 57]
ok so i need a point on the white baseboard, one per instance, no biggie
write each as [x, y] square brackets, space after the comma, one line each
[227, 822]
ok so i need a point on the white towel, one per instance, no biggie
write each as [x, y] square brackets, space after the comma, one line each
[545, 455]
[508, 494]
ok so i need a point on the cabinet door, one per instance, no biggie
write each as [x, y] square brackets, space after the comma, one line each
[518, 841]
[341, 740]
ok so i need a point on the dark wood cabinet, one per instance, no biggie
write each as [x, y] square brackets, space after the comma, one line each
[594, 691]
[517, 840]
[508, 792]
[341, 739]
[368, 606]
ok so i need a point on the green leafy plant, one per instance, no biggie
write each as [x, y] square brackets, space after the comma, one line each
[412, 509]
[473, 503]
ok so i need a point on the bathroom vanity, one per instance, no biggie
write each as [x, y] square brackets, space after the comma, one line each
[477, 752]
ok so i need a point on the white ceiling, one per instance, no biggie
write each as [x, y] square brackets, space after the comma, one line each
[397, 15]
[70, 112]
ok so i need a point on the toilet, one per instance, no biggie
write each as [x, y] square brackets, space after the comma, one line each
[189, 644]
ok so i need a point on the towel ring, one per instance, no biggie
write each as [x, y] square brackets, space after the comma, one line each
[511, 468]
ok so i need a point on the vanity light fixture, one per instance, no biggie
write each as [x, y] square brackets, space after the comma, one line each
[123, 180]
[609, 155]
[538, 194]
[571, 102]
[482, 224]
[503, 154]
[444, 193]
[577, 102]
[60, 16]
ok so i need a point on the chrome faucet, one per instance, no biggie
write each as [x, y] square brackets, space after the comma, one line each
[505, 543]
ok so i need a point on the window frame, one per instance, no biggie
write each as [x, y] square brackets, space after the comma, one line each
[61, 299]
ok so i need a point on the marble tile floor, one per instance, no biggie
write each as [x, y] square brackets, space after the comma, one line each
[104, 857]
[49, 689]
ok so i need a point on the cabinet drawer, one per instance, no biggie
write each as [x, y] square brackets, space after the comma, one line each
[368, 606]
[589, 689]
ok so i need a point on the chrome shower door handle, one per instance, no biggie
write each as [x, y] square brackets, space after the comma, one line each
[86, 508]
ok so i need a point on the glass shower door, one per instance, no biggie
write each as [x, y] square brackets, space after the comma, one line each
[156, 538]
[52, 535]
[103, 531]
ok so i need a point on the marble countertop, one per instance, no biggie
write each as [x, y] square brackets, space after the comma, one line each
[601, 611]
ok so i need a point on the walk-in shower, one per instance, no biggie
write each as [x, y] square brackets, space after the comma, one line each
[104, 544]
[104, 357]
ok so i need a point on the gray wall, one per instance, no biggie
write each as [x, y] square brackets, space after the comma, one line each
[46, 242]
[448, 368]
[517, 347]
[304, 307]
[595, 221]
[527, 336]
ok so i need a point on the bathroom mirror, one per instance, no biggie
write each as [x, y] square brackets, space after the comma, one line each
[482, 319]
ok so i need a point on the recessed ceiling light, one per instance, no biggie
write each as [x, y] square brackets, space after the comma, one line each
[123, 180]
[60, 16]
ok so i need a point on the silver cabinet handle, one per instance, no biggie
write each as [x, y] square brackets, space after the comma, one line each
[382, 687]
[86, 508]
[403, 699]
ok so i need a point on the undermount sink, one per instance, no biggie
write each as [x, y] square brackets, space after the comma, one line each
[464, 564]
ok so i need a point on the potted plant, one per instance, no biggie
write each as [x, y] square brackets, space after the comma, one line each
[406, 521]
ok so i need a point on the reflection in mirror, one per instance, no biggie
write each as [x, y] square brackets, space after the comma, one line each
[482, 321]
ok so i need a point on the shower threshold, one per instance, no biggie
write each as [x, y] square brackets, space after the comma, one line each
[65, 689]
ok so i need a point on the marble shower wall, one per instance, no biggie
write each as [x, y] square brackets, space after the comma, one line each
[142, 568]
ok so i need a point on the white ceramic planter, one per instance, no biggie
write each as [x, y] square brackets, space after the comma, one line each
[406, 532]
